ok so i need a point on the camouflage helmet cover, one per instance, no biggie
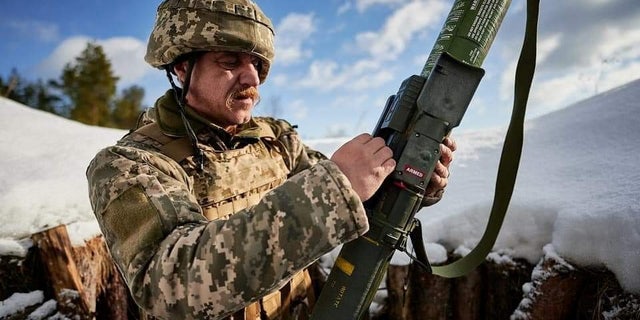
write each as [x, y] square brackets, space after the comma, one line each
[185, 26]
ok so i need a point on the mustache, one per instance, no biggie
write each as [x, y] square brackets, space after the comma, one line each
[249, 92]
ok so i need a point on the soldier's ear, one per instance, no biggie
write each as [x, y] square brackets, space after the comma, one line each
[180, 69]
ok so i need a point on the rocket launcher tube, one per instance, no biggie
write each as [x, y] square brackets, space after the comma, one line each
[468, 32]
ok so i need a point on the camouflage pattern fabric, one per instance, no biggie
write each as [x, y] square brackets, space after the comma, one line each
[185, 26]
[178, 264]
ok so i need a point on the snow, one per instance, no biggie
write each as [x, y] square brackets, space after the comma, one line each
[44, 160]
[13, 247]
[576, 190]
[18, 302]
[44, 310]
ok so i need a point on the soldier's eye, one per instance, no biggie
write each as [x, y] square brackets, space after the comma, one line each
[256, 62]
[228, 61]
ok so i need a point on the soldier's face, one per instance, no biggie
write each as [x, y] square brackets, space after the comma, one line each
[224, 86]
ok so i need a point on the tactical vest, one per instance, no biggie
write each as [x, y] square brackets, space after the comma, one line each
[233, 180]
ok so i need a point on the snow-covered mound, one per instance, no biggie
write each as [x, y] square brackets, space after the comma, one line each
[42, 181]
[577, 187]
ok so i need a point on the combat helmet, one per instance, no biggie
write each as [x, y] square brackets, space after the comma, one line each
[183, 27]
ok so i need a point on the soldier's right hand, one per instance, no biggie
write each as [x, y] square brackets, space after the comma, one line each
[366, 161]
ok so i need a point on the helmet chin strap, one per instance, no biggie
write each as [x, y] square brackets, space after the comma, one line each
[181, 97]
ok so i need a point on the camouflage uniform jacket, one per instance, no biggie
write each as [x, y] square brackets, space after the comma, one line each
[180, 265]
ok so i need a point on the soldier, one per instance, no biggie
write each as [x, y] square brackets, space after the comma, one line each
[209, 212]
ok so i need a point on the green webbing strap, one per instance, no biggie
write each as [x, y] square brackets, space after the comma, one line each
[511, 151]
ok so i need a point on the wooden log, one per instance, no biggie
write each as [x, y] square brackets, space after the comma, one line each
[467, 296]
[21, 274]
[101, 280]
[54, 248]
[504, 279]
[395, 306]
[95, 267]
[553, 291]
[114, 302]
[623, 305]
[603, 297]
[429, 295]
[104, 287]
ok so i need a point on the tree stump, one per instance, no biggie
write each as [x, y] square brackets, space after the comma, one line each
[84, 280]
[56, 253]
[101, 280]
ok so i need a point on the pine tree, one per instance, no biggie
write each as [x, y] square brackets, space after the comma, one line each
[34, 94]
[45, 100]
[90, 86]
[12, 88]
[127, 107]
[7, 87]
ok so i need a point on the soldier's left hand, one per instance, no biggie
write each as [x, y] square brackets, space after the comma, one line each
[440, 176]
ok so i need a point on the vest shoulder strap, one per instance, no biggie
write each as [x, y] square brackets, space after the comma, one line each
[176, 148]
[275, 127]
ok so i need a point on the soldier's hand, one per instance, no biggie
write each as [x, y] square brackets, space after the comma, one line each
[440, 176]
[366, 161]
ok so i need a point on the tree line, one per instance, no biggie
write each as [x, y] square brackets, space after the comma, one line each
[85, 92]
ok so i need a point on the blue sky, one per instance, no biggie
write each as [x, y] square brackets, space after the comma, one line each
[338, 60]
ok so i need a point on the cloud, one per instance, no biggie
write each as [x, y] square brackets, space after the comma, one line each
[545, 47]
[126, 55]
[40, 30]
[327, 75]
[127, 58]
[279, 80]
[594, 48]
[344, 8]
[619, 75]
[299, 109]
[380, 46]
[362, 5]
[558, 92]
[322, 75]
[341, 101]
[400, 28]
[292, 32]
[592, 32]
[373, 80]
[618, 44]
[64, 53]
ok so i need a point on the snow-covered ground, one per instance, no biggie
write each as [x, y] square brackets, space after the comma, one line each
[577, 187]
